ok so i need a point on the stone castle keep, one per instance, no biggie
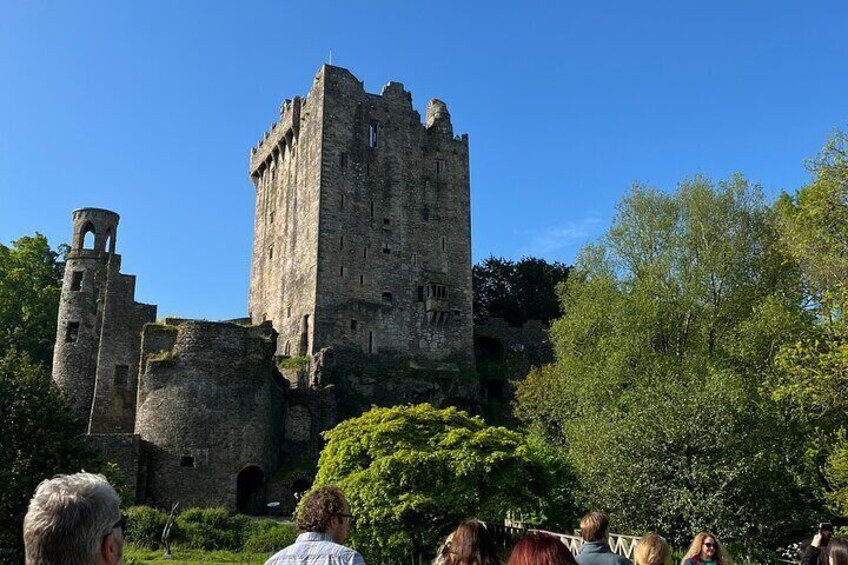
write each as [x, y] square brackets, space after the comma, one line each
[360, 294]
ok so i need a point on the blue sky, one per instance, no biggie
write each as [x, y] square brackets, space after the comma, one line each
[150, 109]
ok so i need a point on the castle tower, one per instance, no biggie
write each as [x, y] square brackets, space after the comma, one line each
[362, 235]
[95, 360]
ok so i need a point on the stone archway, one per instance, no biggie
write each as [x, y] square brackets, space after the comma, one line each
[250, 491]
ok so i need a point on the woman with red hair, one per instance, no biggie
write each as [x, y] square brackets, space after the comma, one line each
[537, 548]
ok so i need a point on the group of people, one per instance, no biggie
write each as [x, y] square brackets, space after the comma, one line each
[76, 520]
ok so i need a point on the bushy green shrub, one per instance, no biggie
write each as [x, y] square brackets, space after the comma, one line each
[210, 528]
[144, 526]
[267, 536]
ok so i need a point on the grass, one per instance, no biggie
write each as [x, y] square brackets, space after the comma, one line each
[138, 556]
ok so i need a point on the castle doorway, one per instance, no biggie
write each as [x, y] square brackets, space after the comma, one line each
[250, 491]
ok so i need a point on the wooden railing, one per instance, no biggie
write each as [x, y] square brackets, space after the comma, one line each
[506, 536]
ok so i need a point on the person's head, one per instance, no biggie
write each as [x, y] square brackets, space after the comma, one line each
[471, 544]
[707, 547]
[76, 520]
[325, 510]
[594, 526]
[837, 551]
[537, 548]
[652, 550]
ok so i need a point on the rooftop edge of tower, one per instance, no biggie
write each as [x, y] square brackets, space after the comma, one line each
[288, 125]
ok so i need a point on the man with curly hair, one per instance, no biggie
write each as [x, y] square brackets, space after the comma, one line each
[323, 518]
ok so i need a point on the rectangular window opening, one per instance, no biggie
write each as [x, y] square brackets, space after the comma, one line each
[370, 342]
[343, 160]
[76, 281]
[353, 325]
[341, 242]
[187, 461]
[341, 270]
[386, 249]
[342, 202]
[121, 373]
[372, 208]
[387, 297]
[361, 280]
[372, 134]
[365, 253]
[420, 294]
[72, 332]
[270, 252]
[443, 244]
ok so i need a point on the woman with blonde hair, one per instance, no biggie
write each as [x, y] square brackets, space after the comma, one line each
[470, 544]
[652, 550]
[706, 550]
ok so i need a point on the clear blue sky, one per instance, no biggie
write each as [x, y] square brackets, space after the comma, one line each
[150, 109]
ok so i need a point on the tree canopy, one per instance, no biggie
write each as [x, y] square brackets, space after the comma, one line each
[517, 291]
[660, 398]
[411, 474]
[30, 285]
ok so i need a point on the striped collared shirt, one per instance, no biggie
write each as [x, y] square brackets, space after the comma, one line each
[316, 548]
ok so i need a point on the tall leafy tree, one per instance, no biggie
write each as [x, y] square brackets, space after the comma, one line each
[814, 367]
[30, 283]
[517, 291]
[660, 396]
[40, 438]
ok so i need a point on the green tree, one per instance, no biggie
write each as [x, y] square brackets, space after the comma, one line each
[30, 284]
[411, 474]
[660, 397]
[517, 291]
[39, 439]
[814, 228]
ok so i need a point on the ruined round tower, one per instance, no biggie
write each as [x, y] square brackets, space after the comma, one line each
[78, 333]
[95, 360]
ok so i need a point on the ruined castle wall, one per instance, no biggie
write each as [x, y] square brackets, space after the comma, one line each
[113, 410]
[394, 225]
[208, 406]
[286, 170]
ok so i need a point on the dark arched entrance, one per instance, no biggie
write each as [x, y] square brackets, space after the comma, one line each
[250, 491]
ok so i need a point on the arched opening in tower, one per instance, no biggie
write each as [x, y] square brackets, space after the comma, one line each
[250, 491]
[87, 236]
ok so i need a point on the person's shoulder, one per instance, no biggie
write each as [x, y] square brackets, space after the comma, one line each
[623, 561]
[349, 555]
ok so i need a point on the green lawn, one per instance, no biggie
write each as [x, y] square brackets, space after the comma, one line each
[136, 556]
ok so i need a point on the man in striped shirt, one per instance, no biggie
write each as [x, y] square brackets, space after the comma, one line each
[323, 518]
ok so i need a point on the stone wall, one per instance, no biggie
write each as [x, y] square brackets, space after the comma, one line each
[362, 232]
[209, 407]
[124, 450]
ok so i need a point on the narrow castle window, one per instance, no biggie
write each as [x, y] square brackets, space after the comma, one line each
[440, 167]
[420, 294]
[343, 160]
[187, 461]
[361, 280]
[370, 342]
[386, 249]
[72, 332]
[365, 253]
[341, 202]
[372, 134]
[387, 297]
[288, 312]
[341, 271]
[271, 217]
[341, 242]
[76, 280]
[120, 379]
[353, 325]
[387, 223]
[443, 244]
[372, 208]
[287, 349]
[456, 315]
[270, 252]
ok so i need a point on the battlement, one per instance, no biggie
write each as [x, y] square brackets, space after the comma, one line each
[284, 132]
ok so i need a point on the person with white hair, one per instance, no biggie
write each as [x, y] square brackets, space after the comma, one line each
[74, 520]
